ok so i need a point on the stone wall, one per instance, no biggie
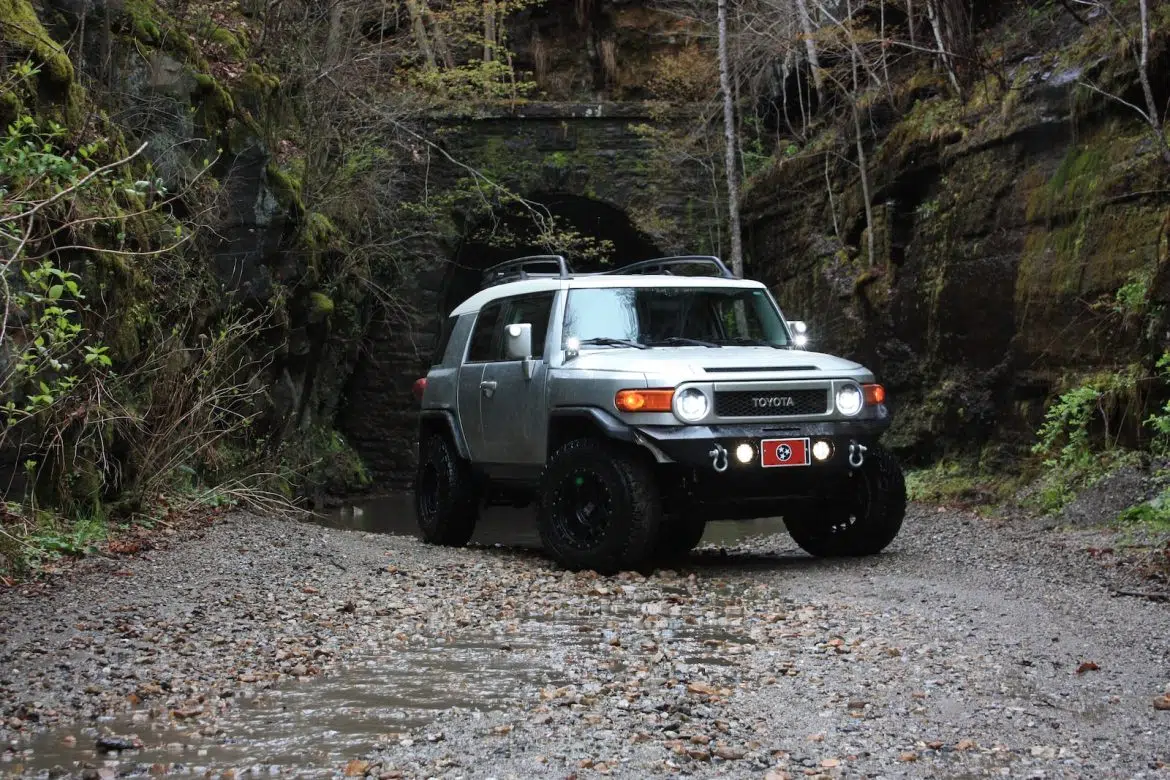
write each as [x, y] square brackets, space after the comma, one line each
[601, 158]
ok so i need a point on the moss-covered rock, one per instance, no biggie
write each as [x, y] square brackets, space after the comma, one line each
[23, 29]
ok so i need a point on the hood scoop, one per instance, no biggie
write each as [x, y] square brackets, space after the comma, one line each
[755, 369]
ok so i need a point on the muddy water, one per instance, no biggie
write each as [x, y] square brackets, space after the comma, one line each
[310, 728]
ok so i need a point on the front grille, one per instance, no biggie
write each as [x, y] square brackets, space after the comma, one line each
[771, 403]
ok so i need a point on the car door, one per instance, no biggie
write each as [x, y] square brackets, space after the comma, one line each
[514, 411]
[483, 348]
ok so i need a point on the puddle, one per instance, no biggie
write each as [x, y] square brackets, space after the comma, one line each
[322, 723]
[313, 727]
[506, 526]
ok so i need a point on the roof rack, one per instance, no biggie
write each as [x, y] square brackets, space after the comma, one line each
[512, 270]
[663, 264]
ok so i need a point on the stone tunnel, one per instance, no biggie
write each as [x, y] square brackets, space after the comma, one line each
[595, 168]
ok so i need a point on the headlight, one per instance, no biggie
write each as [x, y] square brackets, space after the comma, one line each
[849, 400]
[691, 405]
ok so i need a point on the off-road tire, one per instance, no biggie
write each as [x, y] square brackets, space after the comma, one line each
[678, 534]
[446, 499]
[626, 492]
[867, 524]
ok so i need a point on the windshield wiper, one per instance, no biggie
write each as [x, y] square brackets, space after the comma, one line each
[606, 341]
[746, 342]
[674, 340]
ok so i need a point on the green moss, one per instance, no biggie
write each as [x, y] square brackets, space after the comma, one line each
[321, 305]
[319, 232]
[287, 188]
[22, 29]
[227, 39]
[216, 103]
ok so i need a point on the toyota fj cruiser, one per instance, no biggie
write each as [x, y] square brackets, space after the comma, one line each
[633, 406]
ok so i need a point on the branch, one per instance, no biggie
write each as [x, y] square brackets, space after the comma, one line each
[1141, 112]
[1073, 12]
[73, 188]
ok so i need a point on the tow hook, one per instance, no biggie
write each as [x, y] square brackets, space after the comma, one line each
[856, 454]
[718, 458]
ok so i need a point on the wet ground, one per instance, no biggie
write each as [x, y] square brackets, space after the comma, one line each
[270, 647]
[504, 527]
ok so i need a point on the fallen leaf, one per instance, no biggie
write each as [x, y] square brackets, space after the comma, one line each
[1087, 666]
[356, 768]
[1162, 703]
[908, 756]
[829, 763]
[966, 744]
[701, 687]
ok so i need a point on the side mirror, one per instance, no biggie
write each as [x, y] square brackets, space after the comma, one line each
[799, 332]
[518, 341]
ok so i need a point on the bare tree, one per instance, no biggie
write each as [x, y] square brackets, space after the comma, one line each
[729, 137]
[810, 46]
[1150, 113]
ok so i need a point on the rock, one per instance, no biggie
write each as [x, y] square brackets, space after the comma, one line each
[117, 744]
[730, 753]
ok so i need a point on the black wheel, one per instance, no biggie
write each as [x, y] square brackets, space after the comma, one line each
[599, 507]
[866, 521]
[446, 501]
[678, 534]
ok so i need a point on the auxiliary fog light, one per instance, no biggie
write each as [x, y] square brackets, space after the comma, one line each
[822, 450]
[744, 453]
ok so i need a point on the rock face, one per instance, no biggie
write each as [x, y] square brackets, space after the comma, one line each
[1003, 234]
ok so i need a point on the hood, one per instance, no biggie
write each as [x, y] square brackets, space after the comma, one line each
[714, 363]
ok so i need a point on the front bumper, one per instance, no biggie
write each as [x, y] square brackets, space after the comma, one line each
[698, 446]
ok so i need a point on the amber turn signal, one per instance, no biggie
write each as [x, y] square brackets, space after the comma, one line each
[643, 400]
[874, 394]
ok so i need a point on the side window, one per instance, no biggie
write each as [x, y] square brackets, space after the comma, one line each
[535, 309]
[443, 340]
[485, 346]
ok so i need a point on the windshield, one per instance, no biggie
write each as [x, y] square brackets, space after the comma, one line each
[675, 316]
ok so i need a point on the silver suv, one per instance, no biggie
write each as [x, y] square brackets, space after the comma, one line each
[633, 406]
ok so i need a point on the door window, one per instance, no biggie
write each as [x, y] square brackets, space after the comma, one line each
[535, 309]
[485, 344]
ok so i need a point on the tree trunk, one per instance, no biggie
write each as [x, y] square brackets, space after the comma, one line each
[333, 42]
[442, 49]
[420, 32]
[1152, 113]
[862, 162]
[944, 54]
[729, 138]
[810, 45]
[489, 30]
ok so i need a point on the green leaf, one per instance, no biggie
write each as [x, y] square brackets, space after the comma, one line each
[55, 291]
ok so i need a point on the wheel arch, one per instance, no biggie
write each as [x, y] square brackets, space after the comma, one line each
[577, 422]
[442, 422]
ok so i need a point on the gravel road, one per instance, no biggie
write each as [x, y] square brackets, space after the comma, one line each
[271, 647]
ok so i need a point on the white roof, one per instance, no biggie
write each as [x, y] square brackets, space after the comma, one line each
[546, 283]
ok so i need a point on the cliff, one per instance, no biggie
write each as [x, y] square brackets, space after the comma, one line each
[1020, 232]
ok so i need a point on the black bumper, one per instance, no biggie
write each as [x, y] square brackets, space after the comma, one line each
[692, 445]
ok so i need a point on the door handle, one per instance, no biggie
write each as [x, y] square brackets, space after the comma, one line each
[488, 387]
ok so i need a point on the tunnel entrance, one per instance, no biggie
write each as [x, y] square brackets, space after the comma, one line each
[592, 236]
